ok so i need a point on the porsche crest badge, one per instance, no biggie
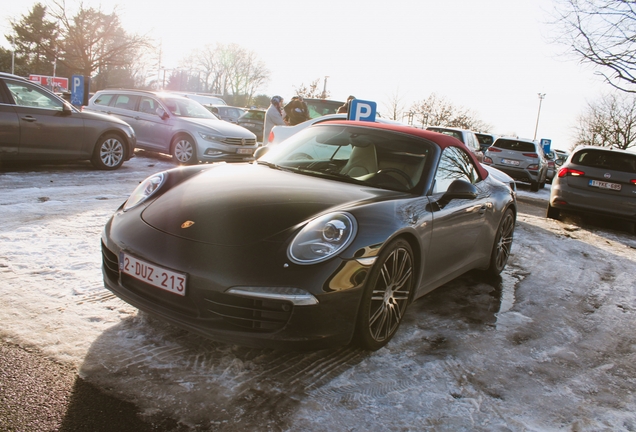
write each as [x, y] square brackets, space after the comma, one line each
[187, 224]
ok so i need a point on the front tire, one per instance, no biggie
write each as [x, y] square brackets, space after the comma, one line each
[386, 295]
[108, 153]
[503, 244]
[183, 151]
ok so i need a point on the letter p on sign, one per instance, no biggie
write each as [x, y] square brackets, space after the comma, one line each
[362, 110]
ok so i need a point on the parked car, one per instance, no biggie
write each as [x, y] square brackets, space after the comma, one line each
[167, 123]
[225, 112]
[36, 124]
[485, 140]
[323, 241]
[254, 121]
[596, 180]
[551, 158]
[467, 137]
[281, 133]
[322, 107]
[521, 159]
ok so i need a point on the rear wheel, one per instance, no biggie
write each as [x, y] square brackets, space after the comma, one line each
[386, 295]
[183, 151]
[552, 213]
[534, 186]
[503, 243]
[108, 153]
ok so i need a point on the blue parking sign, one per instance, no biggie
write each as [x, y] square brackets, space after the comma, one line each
[77, 90]
[362, 110]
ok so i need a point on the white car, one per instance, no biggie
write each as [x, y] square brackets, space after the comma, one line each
[466, 136]
[281, 133]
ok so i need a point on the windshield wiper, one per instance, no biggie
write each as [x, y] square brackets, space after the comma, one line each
[269, 164]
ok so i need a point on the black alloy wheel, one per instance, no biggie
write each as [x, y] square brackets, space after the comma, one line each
[503, 243]
[386, 295]
[108, 153]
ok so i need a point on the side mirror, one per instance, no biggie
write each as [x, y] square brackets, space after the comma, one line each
[66, 109]
[559, 162]
[459, 189]
[261, 151]
[161, 113]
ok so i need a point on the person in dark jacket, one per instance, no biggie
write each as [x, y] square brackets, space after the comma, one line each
[345, 108]
[296, 111]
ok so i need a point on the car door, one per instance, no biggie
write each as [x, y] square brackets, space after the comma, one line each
[458, 225]
[47, 131]
[9, 125]
[153, 132]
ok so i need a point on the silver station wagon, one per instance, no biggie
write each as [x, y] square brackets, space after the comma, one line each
[172, 124]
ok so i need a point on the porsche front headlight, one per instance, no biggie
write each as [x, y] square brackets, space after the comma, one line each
[145, 190]
[323, 238]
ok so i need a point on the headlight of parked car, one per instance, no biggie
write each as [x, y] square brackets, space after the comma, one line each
[145, 190]
[323, 238]
[211, 137]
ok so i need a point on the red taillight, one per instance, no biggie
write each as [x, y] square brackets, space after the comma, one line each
[271, 137]
[633, 181]
[569, 171]
[487, 160]
[551, 164]
[532, 155]
[494, 149]
[533, 167]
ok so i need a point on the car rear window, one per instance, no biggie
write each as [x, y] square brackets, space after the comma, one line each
[508, 144]
[606, 159]
[449, 132]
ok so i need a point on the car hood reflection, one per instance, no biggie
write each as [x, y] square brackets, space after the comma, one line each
[237, 205]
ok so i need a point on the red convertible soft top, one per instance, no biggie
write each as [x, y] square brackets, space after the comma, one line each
[441, 140]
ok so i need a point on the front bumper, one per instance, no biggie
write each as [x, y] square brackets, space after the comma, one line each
[208, 309]
[211, 151]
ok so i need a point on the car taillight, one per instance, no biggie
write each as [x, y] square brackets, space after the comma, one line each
[569, 171]
[271, 137]
[494, 149]
[532, 155]
[533, 167]
[633, 181]
[551, 164]
[487, 160]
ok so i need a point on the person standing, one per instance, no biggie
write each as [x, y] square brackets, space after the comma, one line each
[273, 117]
[296, 111]
[345, 108]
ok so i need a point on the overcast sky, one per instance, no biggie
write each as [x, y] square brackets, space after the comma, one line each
[492, 56]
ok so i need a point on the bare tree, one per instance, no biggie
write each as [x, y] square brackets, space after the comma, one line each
[437, 111]
[311, 91]
[603, 33]
[609, 122]
[395, 106]
[93, 41]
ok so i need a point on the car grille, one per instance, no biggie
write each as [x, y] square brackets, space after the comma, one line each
[110, 263]
[258, 315]
[240, 141]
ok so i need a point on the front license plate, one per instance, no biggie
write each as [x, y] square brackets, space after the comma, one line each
[244, 151]
[510, 162]
[605, 185]
[153, 274]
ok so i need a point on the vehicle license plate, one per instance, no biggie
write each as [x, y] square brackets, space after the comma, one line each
[250, 124]
[605, 185]
[244, 151]
[510, 162]
[153, 274]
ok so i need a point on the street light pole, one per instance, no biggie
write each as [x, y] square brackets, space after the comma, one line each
[541, 96]
[324, 89]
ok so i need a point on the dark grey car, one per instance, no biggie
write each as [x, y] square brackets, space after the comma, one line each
[521, 159]
[596, 180]
[36, 124]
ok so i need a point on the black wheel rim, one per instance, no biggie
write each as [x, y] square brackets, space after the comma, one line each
[390, 294]
[504, 242]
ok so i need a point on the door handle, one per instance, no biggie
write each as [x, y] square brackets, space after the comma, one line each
[482, 209]
[29, 118]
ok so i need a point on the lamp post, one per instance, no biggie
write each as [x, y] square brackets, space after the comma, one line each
[13, 56]
[541, 96]
[324, 89]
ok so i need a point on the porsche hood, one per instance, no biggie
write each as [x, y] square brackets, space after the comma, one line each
[235, 205]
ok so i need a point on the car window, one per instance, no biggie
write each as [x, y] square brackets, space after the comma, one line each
[254, 115]
[25, 94]
[127, 102]
[182, 107]
[104, 99]
[454, 134]
[455, 164]
[148, 105]
[511, 144]
[606, 159]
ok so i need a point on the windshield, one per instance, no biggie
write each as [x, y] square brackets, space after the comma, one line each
[354, 154]
[182, 107]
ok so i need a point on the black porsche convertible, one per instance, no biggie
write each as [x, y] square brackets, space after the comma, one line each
[324, 240]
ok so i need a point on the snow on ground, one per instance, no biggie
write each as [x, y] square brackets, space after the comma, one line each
[548, 346]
